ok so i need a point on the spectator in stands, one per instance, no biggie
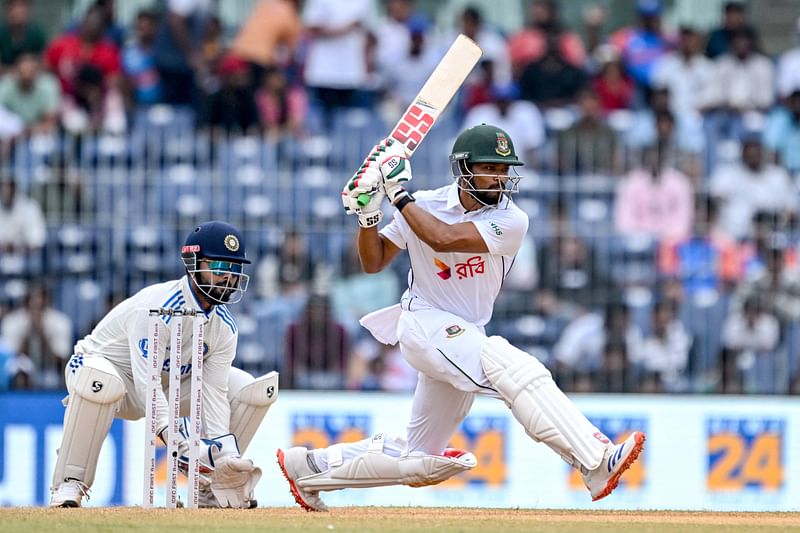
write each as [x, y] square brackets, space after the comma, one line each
[750, 186]
[490, 40]
[233, 106]
[373, 366]
[288, 272]
[708, 259]
[68, 53]
[42, 333]
[750, 337]
[19, 34]
[788, 75]
[585, 345]
[665, 349]
[142, 83]
[686, 72]
[408, 69]
[31, 94]
[643, 45]
[269, 36]
[519, 118]
[569, 275]
[734, 18]
[213, 52]
[179, 49]
[552, 81]
[769, 229]
[678, 138]
[111, 30]
[22, 224]
[675, 146]
[778, 284]
[782, 133]
[375, 292]
[654, 199]
[22, 373]
[91, 106]
[743, 83]
[589, 146]
[336, 60]
[613, 86]
[594, 18]
[282, 107]
[393, 37]
[616, 373]
[529, 44]
[316, 348]
[477, 89]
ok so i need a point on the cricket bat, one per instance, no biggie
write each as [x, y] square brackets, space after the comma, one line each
[434, 96]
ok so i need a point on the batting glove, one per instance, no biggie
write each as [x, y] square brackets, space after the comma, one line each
[395, 170]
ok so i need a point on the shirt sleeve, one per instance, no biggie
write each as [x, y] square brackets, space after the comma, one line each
[216, 367]
[504, 232]
[396, 231]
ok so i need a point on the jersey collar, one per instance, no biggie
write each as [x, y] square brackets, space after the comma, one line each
[453, 199]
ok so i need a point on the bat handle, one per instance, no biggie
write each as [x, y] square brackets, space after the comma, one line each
[363, 199]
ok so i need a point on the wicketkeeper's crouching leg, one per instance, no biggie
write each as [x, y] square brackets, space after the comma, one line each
[384, 463]
[95, 390]
[250, 400]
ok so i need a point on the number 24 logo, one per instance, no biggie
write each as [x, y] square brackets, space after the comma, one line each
[741, 463]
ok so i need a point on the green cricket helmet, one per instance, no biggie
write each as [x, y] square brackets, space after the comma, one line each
[484, 144]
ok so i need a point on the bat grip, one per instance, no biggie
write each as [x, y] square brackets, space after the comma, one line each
[363, 199]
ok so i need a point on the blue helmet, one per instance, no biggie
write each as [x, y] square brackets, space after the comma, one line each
[213, 255]
[216, 240]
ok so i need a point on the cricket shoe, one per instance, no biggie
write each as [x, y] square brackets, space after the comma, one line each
[295, 465]
[69, 493]
[617, 459]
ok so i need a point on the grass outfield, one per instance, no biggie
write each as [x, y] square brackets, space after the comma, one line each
[387, 519]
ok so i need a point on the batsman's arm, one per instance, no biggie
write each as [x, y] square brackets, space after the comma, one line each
[374, 250]
[441, 236]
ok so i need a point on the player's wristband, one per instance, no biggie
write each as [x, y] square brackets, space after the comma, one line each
[405, 199]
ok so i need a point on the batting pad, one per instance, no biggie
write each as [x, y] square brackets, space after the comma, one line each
[539, 405]
[250, 406]
[376, 469]
[95, 390]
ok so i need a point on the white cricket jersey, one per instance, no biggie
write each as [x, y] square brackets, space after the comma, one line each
[465, 284]
[122, 338]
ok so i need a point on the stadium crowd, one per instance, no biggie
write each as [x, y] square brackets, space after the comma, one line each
[662, 183]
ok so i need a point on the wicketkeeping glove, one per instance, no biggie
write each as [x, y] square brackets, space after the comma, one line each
[234, 477]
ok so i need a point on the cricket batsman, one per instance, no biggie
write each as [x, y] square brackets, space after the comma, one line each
[461, 240]
[106, 376]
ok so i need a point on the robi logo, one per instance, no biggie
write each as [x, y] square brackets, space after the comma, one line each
[472, 267]
[444, 269]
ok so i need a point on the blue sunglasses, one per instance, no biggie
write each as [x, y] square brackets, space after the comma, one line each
[219, 268]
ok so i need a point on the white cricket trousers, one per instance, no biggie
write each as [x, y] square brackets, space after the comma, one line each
[446, 349]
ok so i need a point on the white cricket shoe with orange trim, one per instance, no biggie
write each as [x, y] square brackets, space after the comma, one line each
[294, 465]
[605, 478]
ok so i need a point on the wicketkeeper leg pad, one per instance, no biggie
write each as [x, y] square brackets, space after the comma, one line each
[95, 391]
[250, 405]
[377, 469]
[539, 405]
